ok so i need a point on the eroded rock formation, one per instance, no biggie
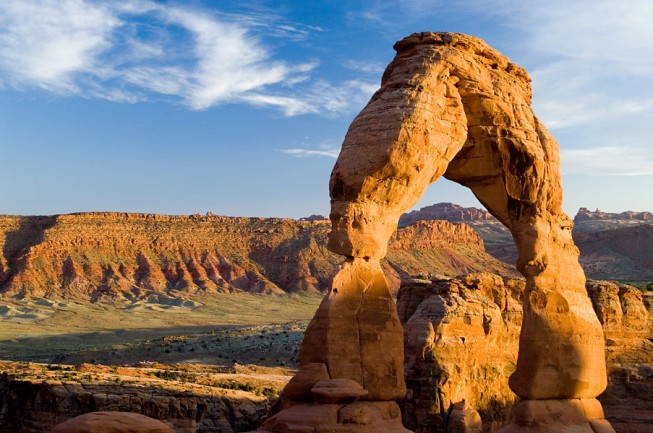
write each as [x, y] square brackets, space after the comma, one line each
[451, 105]
[37, 407]
[461, 344]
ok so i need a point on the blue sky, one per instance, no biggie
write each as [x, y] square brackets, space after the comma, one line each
[240, 107]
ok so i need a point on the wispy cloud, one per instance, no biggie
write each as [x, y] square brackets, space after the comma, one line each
[131, 50]
[325, 149]
[595, 57]
[591, 79]
[44, 43]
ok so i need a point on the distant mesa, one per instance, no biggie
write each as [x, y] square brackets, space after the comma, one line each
[585, 214]
[314, 218]
[445, 211]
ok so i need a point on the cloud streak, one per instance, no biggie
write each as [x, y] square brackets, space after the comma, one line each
[324, 150]
[131, 51]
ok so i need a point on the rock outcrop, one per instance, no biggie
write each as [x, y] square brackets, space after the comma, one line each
[38, 407]
[585, 214]
[93, 256]
[461, 344]
[461, 341]
[451, 105]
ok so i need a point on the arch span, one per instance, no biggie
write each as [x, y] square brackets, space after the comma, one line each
[449, 105]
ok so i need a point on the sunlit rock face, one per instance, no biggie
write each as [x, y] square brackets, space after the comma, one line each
[449, 105]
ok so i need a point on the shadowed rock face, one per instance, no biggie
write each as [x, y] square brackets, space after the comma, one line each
[461, 343]
[449, 105]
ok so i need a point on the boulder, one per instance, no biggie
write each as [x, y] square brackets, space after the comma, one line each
[112, 422]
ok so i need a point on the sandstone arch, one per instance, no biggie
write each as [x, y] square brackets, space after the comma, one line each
[449, 105]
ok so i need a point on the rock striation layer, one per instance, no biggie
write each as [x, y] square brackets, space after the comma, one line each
[449, 105]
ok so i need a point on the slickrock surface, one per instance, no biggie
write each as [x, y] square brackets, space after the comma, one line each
[115, 255]
[461, 342]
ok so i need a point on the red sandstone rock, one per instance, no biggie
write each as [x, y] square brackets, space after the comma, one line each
[92, 256]
[451, 105]
[331, 391]
[112, 422]
[450, 354]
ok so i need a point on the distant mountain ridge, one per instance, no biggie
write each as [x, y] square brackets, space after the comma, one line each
[126, 256]
[612, 245]
[585, 214]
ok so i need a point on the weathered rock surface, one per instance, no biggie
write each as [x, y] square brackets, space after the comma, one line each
[112, 422]
[461, 342]
[96, 255]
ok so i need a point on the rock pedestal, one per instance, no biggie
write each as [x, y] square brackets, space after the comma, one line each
[351, 360]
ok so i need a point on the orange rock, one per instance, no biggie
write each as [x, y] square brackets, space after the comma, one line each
[112, 422]
[356, 332]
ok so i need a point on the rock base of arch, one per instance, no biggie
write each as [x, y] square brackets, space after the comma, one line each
[583, 415]
[357, 417]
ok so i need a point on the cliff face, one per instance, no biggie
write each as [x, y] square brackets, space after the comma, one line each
[115, 255]
[461, 339]
[34, 407]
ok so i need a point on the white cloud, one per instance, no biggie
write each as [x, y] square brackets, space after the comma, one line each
[45, 42]
[128, 51]
[325, 149]
[366, 67]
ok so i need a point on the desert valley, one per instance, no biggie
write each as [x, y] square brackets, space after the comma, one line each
[505, 313]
